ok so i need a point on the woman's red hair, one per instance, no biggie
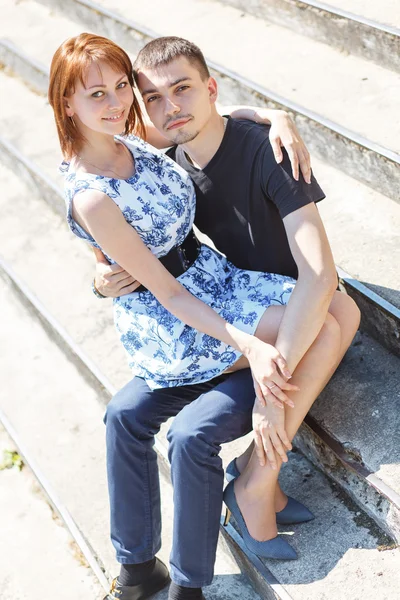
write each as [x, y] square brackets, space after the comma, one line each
[70, 63]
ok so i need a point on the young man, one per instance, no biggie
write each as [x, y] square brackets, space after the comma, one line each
[262, 219]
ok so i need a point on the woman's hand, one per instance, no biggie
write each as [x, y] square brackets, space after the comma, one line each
[270, 374]
[284, 133]
[270, 437]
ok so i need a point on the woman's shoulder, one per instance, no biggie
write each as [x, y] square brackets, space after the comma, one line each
[156, 160]
[139, 146]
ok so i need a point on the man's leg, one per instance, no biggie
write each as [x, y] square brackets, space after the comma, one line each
[196, 434]
[133, 418]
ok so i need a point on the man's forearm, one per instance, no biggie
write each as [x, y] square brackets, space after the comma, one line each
[304, 317]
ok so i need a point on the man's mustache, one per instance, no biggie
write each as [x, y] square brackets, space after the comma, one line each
[176, 118]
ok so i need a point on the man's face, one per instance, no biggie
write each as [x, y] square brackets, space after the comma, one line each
[177, 100]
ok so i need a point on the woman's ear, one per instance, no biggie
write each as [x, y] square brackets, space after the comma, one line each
[68, 110]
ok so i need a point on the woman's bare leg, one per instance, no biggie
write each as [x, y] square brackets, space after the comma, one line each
[347, 315]
[256, 488]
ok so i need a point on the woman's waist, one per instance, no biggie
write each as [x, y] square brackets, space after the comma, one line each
[180, 258]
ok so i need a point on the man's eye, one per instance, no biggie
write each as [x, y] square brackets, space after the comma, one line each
[182, 88]
[152, 98]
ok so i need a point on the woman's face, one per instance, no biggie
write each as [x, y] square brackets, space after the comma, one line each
[103, 104]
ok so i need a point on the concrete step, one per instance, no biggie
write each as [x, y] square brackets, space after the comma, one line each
[357, 558]
[386, 12]
[334, 25]
[352, 219]
[359, 138]
[89, 322]
[31, 531]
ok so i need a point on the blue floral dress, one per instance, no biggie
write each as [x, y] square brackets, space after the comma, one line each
[159, 202]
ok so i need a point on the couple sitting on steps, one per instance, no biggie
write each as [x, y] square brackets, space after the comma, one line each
[227, 341]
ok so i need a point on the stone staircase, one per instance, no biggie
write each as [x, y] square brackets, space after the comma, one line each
[343, 97]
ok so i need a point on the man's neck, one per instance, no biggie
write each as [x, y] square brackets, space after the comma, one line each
[204, 146]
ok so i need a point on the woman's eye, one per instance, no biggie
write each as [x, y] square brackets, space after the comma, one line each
[123, 84]
[97, 94]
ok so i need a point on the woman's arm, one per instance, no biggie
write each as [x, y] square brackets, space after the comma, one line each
[100, 216]
[283, 133]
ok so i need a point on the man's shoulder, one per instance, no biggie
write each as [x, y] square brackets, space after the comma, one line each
[249, 130]
[252, 138]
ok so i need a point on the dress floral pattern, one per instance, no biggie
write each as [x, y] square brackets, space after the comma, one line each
[159, 202]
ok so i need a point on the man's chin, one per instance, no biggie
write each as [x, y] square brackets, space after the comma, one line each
[182, 137]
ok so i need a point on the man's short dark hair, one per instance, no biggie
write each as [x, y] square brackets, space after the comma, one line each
[164, 50]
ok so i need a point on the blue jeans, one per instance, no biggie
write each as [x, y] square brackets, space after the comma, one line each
[206, 416]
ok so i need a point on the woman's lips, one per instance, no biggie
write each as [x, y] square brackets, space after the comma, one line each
[115, 119]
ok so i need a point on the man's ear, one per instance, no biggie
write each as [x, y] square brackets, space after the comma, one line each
[212, 87]
[68, 109]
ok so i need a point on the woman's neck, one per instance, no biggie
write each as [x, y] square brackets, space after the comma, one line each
[106, 157]
[101, 150]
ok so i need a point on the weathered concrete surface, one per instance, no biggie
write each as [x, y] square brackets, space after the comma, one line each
[39, 560]
[382, 324]
[374, 418]
[346, 34]
[13, 60]
[385, 11]
[60, 275]
[335, 562]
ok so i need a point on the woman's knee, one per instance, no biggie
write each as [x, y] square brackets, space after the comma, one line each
[268, 327]
[330, 334]
[346, 312]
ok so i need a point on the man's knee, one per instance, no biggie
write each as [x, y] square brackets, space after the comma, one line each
[188, 438]
[129, 407]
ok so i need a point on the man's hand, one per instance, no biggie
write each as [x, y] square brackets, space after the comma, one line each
[111, 280]
[269, 434]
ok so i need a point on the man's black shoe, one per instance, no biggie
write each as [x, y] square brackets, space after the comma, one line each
[157, 579]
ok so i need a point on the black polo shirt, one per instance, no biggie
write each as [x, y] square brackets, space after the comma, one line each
[243, 195]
